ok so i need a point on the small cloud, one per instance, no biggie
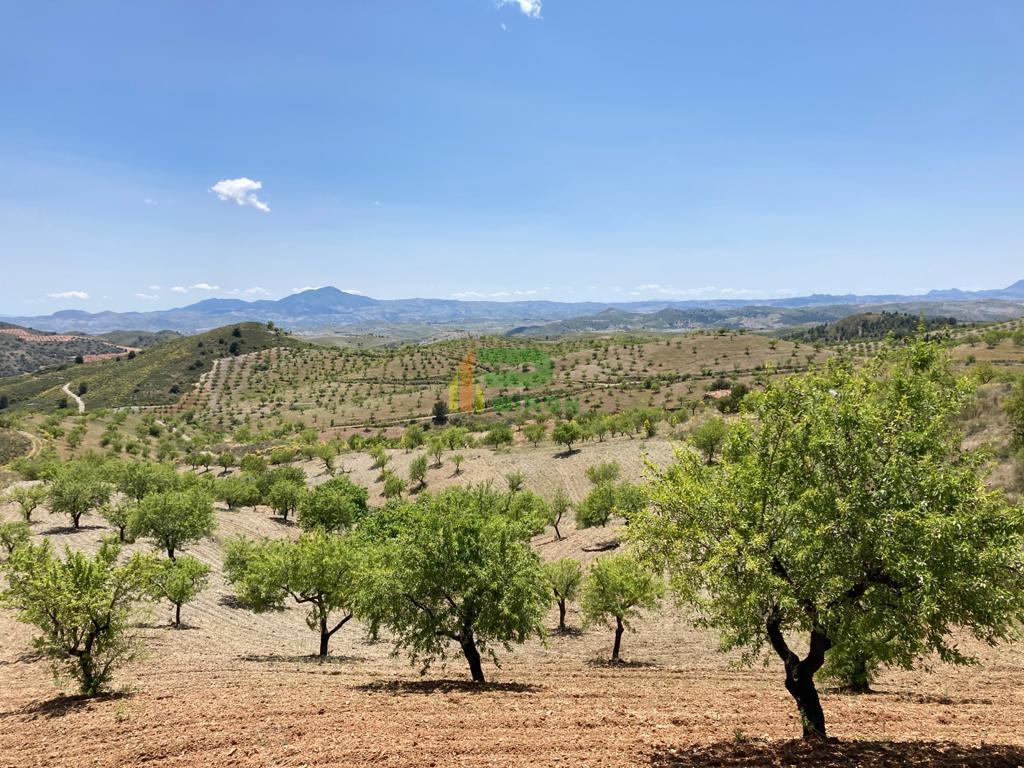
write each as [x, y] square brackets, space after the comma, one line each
[241, 191]
[70, 295]
[254, 291]
[529, 7]
[153, 288]
[494, 295]
[179, 289]
[503, 27]
[352, 290]
[307, 288]
[205, 287]
[147, 296]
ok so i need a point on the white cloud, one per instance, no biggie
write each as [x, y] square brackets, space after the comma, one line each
[530, 7]
[206, 287]
[254, 291]
[711, 291]
[70, 295]
[241, 191]
[154, 288]
[352, 290]
[179, 289]
[307, 288]
[149, 296]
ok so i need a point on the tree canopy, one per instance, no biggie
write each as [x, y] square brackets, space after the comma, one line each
[845, 510]
[453, 568]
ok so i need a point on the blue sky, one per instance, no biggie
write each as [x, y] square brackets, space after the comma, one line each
[579, 149]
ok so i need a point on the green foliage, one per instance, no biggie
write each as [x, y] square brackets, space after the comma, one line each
[394, 486]
[848, 512]
[28, 498]
[336, 505]
[179, 582]
[535, 432]
[137, 479]
[77, 487]
[606, 500]
[558, 507]
[413, 437]
[457, 459]
[119, 515]
[452, 567]
[238, 491]
[319, 570]
[1014, 407]
[13, 534]
[81, 605]
[709, 437]
[285, 496]
[605, 472]
[617, 587]
[418, 470]
[568, 433]
[173, 519]
[564, 577]
[499, 436]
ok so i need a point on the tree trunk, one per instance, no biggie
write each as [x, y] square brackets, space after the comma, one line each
[170, 552]
[618, 638]
[75, 519]
[859, 680]
[473, 657]
[561, 615]
[325, 638]
[800, 676]
[177, 615]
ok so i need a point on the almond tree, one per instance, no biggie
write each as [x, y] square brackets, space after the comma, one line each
[319, 570]
[844, 509]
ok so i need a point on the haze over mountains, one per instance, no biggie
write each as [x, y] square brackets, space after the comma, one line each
[326, 309]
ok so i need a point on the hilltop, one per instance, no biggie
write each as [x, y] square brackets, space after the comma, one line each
[152, 376]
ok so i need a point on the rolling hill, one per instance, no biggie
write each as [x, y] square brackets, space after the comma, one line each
[153, 376]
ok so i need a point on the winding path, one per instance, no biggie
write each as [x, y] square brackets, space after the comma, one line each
[67, 391]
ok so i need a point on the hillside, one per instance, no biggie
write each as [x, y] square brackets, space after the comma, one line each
[137, 338]
[23, 350]
[870, 326]
[153, 376]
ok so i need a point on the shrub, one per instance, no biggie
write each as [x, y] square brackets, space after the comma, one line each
[564, 577]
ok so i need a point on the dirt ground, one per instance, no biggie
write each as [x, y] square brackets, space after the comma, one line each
[237, 689]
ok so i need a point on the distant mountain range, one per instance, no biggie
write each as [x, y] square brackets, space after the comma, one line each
[329, 309]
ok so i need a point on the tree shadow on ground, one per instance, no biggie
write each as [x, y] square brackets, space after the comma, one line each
[63, 705]
[839, 754]
[65, 530]
[607, 663]
[306, 658]
[415, 687]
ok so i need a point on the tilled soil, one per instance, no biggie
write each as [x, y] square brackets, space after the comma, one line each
[238, 689]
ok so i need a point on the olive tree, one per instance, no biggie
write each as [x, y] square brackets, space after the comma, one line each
[845, 510]
[174, 518]
[319, 570]
[179, 582]
[82, 606]
[616, 588]
[452, 568]
[564, 577]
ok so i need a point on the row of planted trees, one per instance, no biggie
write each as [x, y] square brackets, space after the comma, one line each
[842, 524]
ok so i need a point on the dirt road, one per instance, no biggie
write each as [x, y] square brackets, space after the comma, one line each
[67, 391]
